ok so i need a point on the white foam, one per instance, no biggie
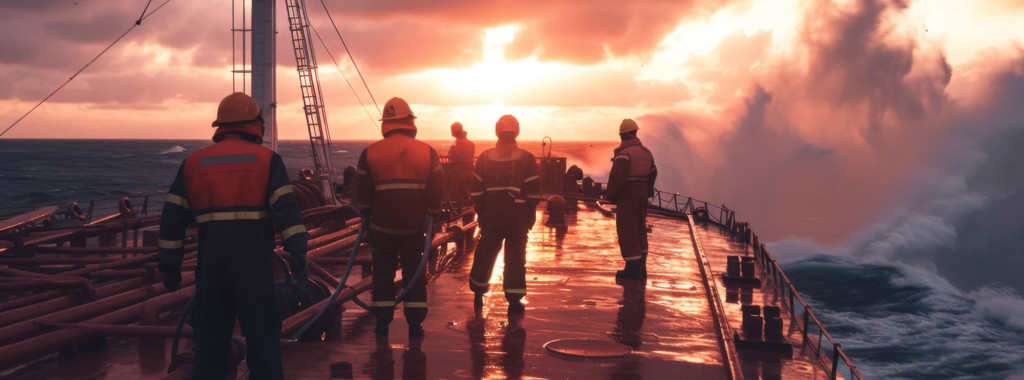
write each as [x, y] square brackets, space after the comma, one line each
[174, 149]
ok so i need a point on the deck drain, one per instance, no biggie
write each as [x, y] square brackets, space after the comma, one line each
[584, 348]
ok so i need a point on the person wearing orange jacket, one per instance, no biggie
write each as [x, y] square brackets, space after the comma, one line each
[630, 183]
[238, 194]
[506, 191]
[460, 175]
[399, 181]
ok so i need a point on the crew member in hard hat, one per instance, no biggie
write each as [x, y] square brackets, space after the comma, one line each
[630, 183]
[238, 194]
[506, 190]
[398, 181]
[460, 175]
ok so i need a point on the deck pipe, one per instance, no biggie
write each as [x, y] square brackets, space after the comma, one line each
[129, 298]
[25, 349]
[66, 301]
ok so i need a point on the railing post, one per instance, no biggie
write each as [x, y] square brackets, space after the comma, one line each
[807, 320]
[835, 359]
[88, 216]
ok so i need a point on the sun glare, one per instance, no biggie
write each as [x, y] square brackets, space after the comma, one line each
[493, 77]
[702, 37]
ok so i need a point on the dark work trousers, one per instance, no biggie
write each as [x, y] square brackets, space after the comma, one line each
[631, 221]
[232, 283]
[486, 253]
[388, 251]
[459, 184]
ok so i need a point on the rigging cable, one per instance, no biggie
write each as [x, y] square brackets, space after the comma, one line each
[360, 100]
[137, 23]
[329, 17]
[143, 14]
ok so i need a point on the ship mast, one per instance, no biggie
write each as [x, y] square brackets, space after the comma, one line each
[259, 39]
[253, 60]
[264, 82]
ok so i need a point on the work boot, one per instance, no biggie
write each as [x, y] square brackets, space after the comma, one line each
[415, 331]
[634, 270]
[515, 304]
[382, 327]
[515, 308]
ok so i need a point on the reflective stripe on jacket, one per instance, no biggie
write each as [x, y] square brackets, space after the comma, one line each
[238, 193]
[633, 165]
[506, 182]
[399, 179]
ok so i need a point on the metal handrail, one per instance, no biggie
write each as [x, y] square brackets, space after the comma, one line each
[725, 217]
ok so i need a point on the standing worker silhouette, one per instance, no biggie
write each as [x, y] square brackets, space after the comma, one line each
[461, 175]
[239, 195]
[398, 181]
[506, 190]
[630, 183]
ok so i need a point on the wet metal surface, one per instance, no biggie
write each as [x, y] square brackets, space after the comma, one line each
[572, 295]
[666, 321]
[757, 364]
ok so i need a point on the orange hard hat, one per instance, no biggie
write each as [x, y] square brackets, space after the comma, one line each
[507, 123]
[628, 125]
[236, 108]
[397, 115]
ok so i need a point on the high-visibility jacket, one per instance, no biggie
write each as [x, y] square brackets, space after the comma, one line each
[632, 166]
[461, 154]
[239, 195]
[398, 180]
[506, 185]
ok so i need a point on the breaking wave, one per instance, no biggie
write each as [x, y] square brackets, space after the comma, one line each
[901, 322]
[174, 149]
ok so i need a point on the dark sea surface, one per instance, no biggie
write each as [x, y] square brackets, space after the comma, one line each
[895, 321]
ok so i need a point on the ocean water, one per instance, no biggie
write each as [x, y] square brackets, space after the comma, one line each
[896, 321]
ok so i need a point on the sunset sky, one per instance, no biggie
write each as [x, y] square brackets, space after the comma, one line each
[822, 107]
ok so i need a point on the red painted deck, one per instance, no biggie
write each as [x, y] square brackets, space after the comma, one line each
[572, 294]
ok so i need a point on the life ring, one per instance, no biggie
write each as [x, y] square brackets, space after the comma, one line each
[74, 211]
[124, 206]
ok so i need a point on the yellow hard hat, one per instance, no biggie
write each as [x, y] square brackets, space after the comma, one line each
[457, 127]
[235, 108]
[397, 115]
[507, 123]
[396, 109]
[628, 125]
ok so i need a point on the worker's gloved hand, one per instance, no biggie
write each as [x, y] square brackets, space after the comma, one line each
[297, 246]
[172, 281]
[299, 267]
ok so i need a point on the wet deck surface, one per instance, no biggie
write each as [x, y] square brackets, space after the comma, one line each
[572, 294]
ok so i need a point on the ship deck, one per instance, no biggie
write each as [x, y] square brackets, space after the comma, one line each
[667, 320]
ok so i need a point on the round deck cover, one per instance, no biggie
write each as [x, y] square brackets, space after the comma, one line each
[587, 348]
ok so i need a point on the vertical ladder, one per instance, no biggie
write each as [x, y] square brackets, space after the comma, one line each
[312, 98]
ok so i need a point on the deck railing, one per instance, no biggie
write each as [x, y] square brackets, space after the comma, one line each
[812, 328]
